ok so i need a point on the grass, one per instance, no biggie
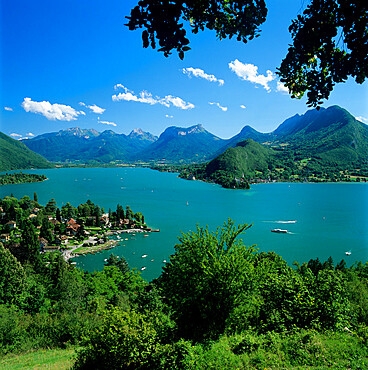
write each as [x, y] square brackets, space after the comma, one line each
[59, 359]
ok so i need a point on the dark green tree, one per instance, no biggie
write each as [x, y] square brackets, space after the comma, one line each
[330, 38]
[330, 44]
[161, 20]
[29, 245]
[50, 208]
[205, 279]
[12, 277]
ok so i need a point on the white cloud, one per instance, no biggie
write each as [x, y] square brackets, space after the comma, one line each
[30, 134]
[147, 98]
[8, 109]
[243, 106]
[15, 135]
[107, 123]
[52, 112]
[362, 119]
[224, 109]
[168, 116]
[82, 113]
[249, 72]
[282, 88]
[94, 108]
[196, 72]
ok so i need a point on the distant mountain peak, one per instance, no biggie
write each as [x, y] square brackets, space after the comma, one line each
[137, 131]
[139, 134]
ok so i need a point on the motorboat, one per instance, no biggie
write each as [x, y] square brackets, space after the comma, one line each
[280, 231]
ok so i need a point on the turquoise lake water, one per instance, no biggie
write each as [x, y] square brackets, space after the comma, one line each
[331, 218]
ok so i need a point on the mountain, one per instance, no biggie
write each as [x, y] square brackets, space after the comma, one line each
[88, 145]
[182, 145]
[325, 145]
[15, 155]
[247, 132]
[331, 134]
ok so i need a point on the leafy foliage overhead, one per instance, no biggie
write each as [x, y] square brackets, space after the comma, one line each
[161, 20]
[330, 38]
[330, 43]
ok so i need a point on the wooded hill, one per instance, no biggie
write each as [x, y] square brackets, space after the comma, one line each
[15, 155]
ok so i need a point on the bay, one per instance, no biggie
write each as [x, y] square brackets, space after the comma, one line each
[331, 218]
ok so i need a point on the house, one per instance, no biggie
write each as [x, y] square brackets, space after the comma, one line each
[32, 216]
[51, 248]
[12, 224]
[43, 244]
[72, 229]
[54, 222]
[5, 237]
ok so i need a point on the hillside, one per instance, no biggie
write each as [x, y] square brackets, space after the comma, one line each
[177, 144]
[15, 155]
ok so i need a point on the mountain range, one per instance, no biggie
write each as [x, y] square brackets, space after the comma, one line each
[331, 134]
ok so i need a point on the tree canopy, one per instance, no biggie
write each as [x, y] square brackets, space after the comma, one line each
[330, 38]
[330, 43]
[161, 20]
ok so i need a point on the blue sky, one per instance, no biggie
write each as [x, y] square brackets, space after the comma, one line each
[74, 64]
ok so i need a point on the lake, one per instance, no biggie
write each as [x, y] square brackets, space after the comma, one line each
[331, 218]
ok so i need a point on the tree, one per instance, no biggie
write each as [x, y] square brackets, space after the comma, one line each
[205, 278]
[35, 198]
[51, 207]
[124, 340]
[161, 20]
[12, 276]
[46, 230]
[330, 39]
[330, 43]
[29, 245]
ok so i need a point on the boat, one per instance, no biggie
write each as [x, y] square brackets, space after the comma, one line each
[143, 268]
[280, 231]
[145, 235]
[144, 255]
[348, 253]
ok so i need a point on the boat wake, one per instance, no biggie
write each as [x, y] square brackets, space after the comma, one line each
[282, 222]
[285, 222]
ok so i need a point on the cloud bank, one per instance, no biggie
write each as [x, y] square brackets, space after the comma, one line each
[196, 72]
[52, 112]
[147, 98]
[249, 72]
[8, 109]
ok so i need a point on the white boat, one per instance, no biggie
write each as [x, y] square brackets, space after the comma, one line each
[280, 231]
[144, 255]
[348, 253]
[143, 268]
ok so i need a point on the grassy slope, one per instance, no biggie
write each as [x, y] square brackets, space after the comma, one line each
[43, 359]
[15, 155]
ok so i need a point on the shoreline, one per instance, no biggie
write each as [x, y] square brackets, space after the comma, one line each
[69, 254]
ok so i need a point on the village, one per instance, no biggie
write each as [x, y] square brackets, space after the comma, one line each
[70, 230]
